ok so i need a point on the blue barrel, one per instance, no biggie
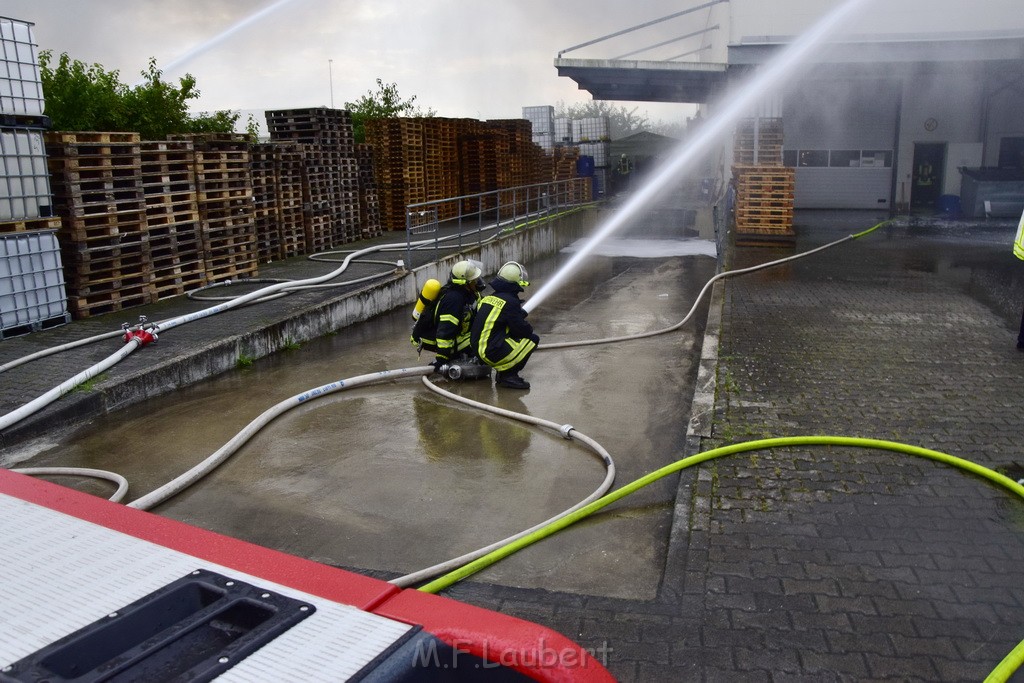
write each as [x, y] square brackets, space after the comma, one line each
[949, 205]
[585, 166]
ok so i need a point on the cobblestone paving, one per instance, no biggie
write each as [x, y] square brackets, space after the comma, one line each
[827, 563]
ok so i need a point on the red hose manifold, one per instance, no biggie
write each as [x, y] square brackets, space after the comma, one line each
[144, 336]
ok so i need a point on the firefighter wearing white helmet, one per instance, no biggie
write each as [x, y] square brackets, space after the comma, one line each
[501, 335]
[444, 327]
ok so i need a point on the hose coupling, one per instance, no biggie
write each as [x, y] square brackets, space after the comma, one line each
[465, 370]
[564, 431]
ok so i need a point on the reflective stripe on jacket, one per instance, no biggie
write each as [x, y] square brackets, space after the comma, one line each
[446, 331]
[1018, 243]
[491, 332]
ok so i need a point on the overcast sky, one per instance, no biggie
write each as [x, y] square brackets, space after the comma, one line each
[462, 58]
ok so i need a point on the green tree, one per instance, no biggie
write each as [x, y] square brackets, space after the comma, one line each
[252, 129]
[622, 121]
[670, 129]
[82, 97]
[382, 104]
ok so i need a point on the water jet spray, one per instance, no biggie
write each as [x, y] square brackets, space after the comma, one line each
[222, 36]
[786, 64]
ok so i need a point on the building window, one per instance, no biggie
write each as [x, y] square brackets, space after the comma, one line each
[844, 158]
[813, 157]
[876, 158]
[838, 158]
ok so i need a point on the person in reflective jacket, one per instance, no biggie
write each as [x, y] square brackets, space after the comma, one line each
[501, 335]
[445, 328]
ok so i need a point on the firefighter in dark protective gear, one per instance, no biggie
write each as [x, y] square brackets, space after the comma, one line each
[444, 329]
[501, 335]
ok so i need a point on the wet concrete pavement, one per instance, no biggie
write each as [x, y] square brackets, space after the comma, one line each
[807, 564]
[394, 478]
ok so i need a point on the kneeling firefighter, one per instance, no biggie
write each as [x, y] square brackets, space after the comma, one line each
[443, 326]
[501, 335]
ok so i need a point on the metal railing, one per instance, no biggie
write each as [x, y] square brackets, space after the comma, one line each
[455, 223]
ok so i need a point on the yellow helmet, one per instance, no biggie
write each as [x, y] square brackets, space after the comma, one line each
[464, 272]
[514, 272]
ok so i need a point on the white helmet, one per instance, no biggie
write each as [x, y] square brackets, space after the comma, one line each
[514, 272]
[465, 272]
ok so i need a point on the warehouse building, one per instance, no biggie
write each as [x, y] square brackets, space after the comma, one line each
[899, 122]
[904, 122]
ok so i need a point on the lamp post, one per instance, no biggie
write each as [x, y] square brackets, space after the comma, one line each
[330, 72]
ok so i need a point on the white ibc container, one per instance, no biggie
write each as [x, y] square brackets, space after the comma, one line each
[21, 88]
[32, 292]
[597, 150]
[544, 142]
[24, 178]
[540, 118]
[593, 129]
[563, 129]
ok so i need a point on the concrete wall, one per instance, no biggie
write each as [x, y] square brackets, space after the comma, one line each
[259, 337]
[524, 245]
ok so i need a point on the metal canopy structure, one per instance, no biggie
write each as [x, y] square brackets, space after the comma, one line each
[697, 82]
[648, 80]
[645, 81]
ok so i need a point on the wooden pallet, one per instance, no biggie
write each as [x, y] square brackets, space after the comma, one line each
[120, 290]
[765, 157]
[776, 176]
[753, 238]
[755, 215]
[85, 266]
[30, 225]
[177, 279]
[77, 138]
[171, 252]
[88, 305]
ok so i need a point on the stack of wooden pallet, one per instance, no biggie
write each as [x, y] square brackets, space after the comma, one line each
[347, 216]
[288, 167]
[764, 187]
[564, 159]
[399, 166]
[96, 180]
[224, 194]
[266, 212]
[468, 150]
[172, 217]
[514, 166]
[338, 145]
[758, 142]
[330, 184]
[764, 205]
[440, 147]
[430, 159]
[479, 164]
[369, 203]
